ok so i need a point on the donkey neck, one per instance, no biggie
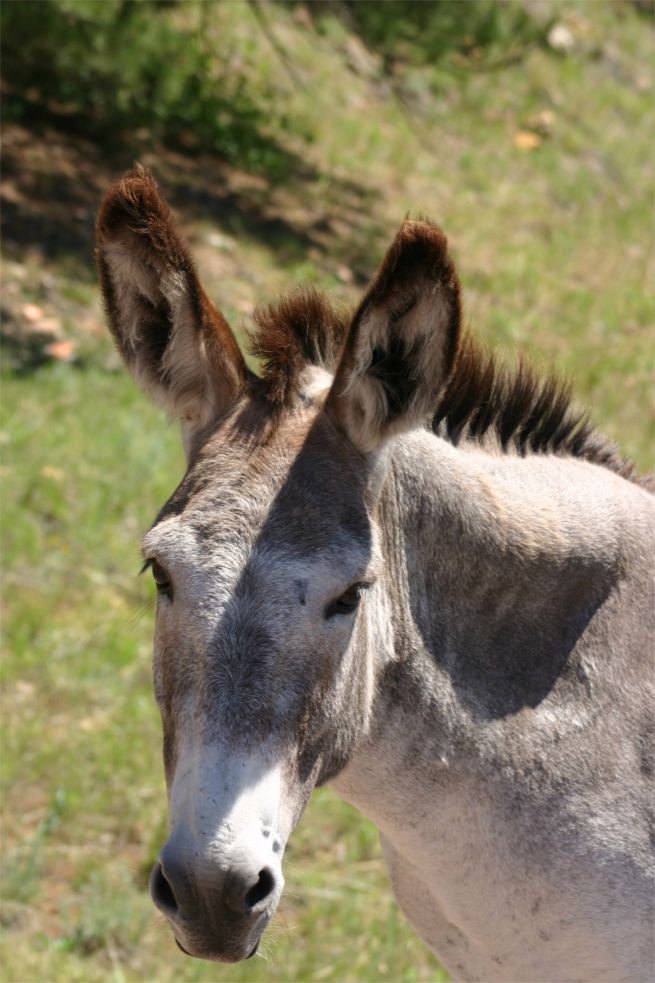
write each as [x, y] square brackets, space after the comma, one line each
[496, 567]
[506, 581]
[468, 513]
[499, 562]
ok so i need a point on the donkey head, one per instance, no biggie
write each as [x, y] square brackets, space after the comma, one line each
[272, 583]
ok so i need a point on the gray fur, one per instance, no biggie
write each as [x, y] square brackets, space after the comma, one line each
[490, 708]
[489, 703]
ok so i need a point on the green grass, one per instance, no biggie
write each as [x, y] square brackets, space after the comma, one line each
[555, 247]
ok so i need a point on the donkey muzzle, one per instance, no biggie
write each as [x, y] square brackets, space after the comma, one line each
[218, 908]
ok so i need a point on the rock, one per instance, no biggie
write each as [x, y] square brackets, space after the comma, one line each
[525, 140]
[560, 38]
[32, 312]
[48, 326]
[62, 351]
[219, 241]
[542, 122]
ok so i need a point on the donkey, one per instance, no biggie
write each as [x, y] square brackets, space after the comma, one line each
[395, 567]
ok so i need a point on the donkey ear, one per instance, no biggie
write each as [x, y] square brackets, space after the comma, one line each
[402, 341]
[177, 345]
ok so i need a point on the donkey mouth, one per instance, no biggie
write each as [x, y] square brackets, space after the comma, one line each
[224, 951]
[216, 956]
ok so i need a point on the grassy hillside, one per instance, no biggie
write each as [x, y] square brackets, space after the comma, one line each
[292, 139]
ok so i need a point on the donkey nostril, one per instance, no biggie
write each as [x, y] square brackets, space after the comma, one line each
[260, 890]
[162, 892]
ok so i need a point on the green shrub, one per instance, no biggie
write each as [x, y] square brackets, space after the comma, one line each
[109, 69]
[425, 31]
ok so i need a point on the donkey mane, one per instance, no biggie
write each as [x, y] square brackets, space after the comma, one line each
[521, 409]
[525, 411]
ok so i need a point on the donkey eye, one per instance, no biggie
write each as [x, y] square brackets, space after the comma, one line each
[348, 601]
[161, 579]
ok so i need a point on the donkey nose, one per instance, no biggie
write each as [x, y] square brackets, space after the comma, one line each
[161, 891]
[247, 891]
[181, 891]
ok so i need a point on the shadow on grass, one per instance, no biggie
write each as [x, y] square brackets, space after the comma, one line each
[53, 181]
[87, 90]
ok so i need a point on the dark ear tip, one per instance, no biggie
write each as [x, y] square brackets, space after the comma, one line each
[422, 237]
[129, 204]
[419, 253]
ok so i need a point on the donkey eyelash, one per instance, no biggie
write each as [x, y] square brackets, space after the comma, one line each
[344, 605]
[146, 566]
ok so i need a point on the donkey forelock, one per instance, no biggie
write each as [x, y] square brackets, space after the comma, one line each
[294, 332]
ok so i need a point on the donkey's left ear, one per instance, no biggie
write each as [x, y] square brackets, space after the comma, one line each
[402, 341]
[177, 345]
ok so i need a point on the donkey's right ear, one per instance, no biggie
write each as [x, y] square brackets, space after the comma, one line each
[177, 345]
[401, 344]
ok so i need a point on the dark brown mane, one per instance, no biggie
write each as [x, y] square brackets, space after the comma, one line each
[526, 412]
[295, 331]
